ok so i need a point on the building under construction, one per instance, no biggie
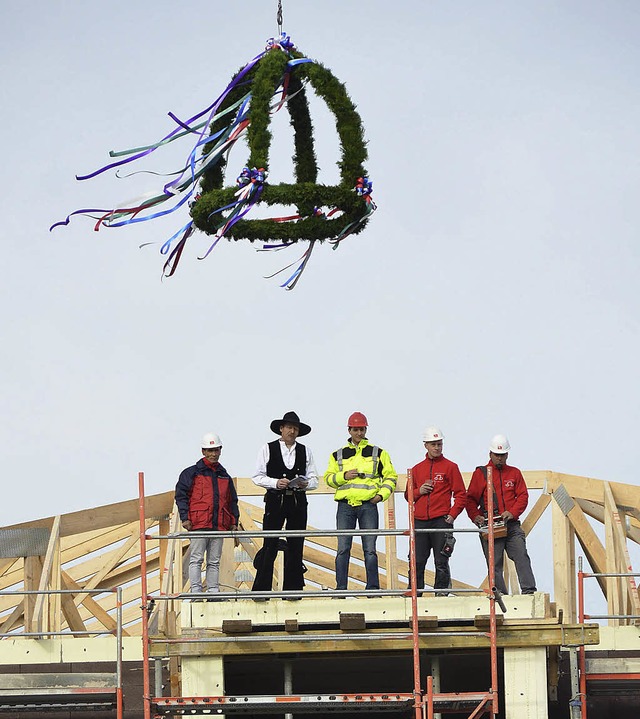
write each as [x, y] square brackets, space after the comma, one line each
[94, 619]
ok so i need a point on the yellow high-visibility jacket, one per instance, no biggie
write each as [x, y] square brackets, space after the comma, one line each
[373, 462]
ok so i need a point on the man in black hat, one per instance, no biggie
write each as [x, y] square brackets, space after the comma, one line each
[287, 471]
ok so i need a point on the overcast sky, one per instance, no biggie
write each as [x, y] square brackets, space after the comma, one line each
[494, 290]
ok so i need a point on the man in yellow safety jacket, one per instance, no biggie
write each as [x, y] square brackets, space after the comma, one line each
[363, 476]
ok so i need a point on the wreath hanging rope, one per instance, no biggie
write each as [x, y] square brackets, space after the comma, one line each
[276, 78]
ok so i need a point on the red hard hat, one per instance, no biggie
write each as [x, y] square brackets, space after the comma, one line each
[357, 419]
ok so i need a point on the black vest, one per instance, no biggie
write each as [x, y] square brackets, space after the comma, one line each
[276, 467]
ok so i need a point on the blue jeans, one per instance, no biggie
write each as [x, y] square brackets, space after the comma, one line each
[366, 516]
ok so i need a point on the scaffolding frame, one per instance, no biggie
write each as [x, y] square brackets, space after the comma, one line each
[582, 661]
[423, 701]
[86, 685]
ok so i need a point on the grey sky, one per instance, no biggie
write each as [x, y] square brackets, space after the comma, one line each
[493, 291]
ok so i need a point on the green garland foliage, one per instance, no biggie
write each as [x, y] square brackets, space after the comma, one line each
[262, 81]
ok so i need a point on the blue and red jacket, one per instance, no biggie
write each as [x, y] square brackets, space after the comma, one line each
[206, 495]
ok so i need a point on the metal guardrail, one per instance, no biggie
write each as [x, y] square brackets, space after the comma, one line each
[582, 664]
[70, 697]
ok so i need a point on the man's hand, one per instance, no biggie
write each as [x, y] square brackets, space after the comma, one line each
[426, 488]
[448, 519]
[351, 474]
[187, 525]
[479, 521]
[282, 483]
[236, 541]
[303, 484]
[376, 499]
[506, 515]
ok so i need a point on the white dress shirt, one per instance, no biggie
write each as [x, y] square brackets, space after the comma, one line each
[289, 457]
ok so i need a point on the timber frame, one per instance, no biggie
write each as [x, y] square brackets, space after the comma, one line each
[99, 548]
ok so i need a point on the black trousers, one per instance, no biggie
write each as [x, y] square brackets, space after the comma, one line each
[425, 543]
[285, 506]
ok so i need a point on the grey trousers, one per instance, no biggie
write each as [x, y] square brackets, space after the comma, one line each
[212, 547]
[516, 548]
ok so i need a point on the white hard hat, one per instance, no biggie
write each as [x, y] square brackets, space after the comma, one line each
[499, 444]
[432, 434]
[211, 440]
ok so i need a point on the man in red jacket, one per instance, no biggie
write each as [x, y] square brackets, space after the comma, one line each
[436, 480]
[510, 500]
[207, 500]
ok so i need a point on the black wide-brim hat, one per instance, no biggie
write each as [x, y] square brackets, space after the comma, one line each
[290, 418]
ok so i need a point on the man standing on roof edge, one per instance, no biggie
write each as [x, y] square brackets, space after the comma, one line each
[510, 499]
[285, 468]
[207, 500]
[436, 480]
[363, 476]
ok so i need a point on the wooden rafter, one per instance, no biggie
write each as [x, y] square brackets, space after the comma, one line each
[97, 548]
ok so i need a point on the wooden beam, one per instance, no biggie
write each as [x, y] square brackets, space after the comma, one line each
[108, 515]
[109, 562]
[592, 489]
[32, 572]
[6, 564]
[70, 611]
[98, 612]
[168, 583]
[444, 637]
[12, 620]
[42, 600]
[596, 511]
[391, 545]
[590, 543]
[55, 600]
[534, 514]
[614, 594]
[564, 571]
[621, 552]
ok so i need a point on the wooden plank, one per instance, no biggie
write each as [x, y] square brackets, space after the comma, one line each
[168, 583]
[12, 620]
[589, 541]
[175, 676]
[79, 545]
[237, 626]
[534, 514]
[621, 552]
[390, 580]
[593, 489]
[483, 621]
[32, 572]
[6, 564]
[109, 562]
[55, 600]
[98, 612]
[42, 600]
[73, 548]
[614, 595]
[70, 611]
[164, 527]
[426, 623]
[596, 511]
[563, 547]
[108, 515]
[550, 636]
[352, 622]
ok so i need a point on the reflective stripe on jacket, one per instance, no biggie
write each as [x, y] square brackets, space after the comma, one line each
[373, 462]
